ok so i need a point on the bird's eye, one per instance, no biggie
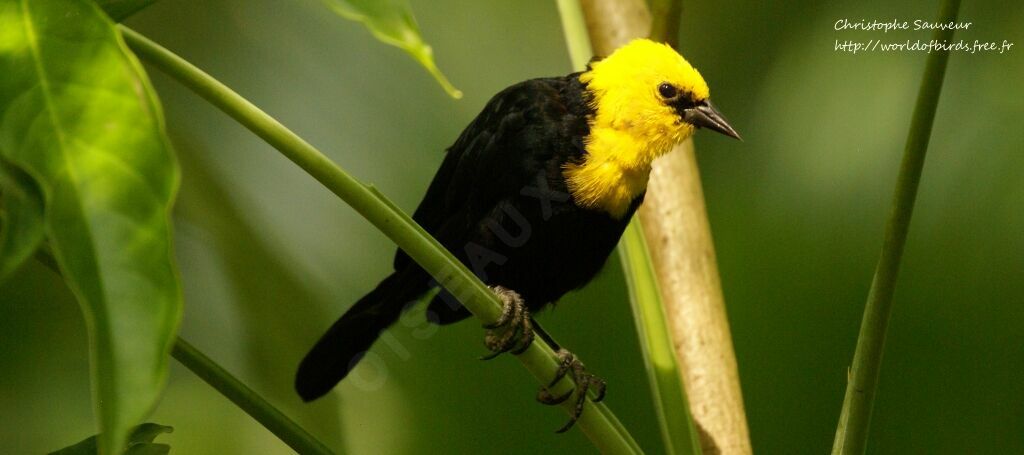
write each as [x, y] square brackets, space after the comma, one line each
[667, 90]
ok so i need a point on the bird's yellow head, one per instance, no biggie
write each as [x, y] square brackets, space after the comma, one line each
[648, 90]
[646, 99]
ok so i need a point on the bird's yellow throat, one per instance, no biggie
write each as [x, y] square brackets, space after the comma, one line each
[614, 172]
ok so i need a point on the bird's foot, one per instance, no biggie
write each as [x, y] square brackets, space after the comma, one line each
[513, 331]
[585, 381]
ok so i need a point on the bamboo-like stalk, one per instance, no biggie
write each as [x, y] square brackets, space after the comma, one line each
[855, 418]
[676, 227]
[597, 422]
[674, 420]
[679, 240]
[678, 431]
[665, 20]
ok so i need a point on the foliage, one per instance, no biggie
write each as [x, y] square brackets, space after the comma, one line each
[392, 22]
[79, 117]
[140, 442]
[21, 218]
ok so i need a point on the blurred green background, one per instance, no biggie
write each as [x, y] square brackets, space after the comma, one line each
[269, 258]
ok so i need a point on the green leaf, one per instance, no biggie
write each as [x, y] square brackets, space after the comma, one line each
[21, 218]
[140, 442]
[77, 113]
[392, 22]
[147, 432]
[119, 10]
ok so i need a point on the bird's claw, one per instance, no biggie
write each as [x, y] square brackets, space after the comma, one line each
[513, 331]
[570, 365]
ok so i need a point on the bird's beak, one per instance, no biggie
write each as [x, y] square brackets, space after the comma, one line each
[705, 115]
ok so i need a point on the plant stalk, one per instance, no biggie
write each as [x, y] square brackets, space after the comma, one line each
[855, 418]
[674, 220]
[597, 422]
[670, 403]
[674, 420]
[665, 18]
[574, 27]
[209, 371]
[684, 258]
[249, 401]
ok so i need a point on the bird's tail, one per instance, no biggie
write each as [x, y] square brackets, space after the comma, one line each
[345, 343]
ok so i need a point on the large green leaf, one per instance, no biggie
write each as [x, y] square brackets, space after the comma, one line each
[78, 115]
[119, 10]
[392, 22]
[140, 442]
[21, 218]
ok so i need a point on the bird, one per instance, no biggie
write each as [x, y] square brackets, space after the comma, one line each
[533, 197]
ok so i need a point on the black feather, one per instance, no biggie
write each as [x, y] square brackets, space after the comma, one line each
[345, 343]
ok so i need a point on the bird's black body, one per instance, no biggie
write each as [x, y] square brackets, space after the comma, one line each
[500, 203]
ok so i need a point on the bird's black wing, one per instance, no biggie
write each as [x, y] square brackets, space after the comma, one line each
[521, 132]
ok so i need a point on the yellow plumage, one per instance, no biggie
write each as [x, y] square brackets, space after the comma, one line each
[633, 125]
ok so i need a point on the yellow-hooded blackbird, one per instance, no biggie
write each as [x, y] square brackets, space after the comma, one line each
[534, 195]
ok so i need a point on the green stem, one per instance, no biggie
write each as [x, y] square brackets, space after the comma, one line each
[248, 400]
[854, 420]
[670, 403]
[265, 413]
[574, 27]
[597, 422]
